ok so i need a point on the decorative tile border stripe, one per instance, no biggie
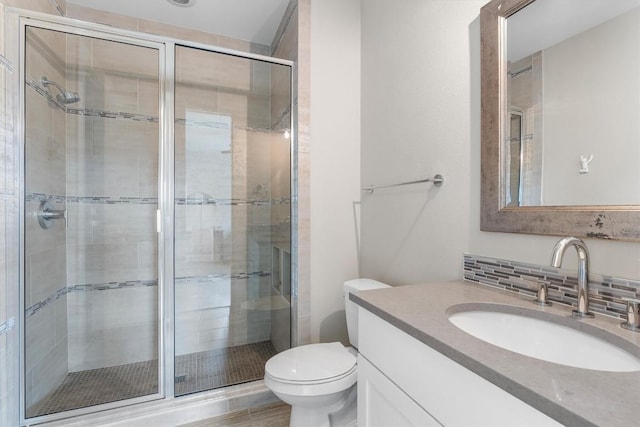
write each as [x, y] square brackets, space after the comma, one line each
[605, 292]
[91, 112]
[221, 125]
[31, 311]
[228, 202]
[281, 201]
[113, 200]
[88, 112]
[258, 129]
[221, 276]
[130, 284]
[7, 325]
[6, 63]
[210, 201]
[98, 200]
[283, 121]
[39, 197]
[208, 124]
[55, 4]
[112, 285]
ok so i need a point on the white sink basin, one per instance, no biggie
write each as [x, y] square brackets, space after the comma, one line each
[548, 339]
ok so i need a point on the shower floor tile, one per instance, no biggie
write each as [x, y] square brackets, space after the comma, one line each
[194, 372]
[218, 368]
[97, 386]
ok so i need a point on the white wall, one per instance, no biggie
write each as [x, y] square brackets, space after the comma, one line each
[335, 160]
[415, 123]
[421, 115]
[591, 107]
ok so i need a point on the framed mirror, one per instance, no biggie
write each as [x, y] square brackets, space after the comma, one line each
[561, 117]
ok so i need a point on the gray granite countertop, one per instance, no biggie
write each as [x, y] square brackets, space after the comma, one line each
[572, 396]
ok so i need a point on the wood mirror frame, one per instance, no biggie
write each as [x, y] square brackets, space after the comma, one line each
[620, 222]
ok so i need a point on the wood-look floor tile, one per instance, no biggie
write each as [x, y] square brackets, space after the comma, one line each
[236, 419]
[273, 415]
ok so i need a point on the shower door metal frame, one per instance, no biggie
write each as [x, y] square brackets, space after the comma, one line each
[23, 19]
[16, 22]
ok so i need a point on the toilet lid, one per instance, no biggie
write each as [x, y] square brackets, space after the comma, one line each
[311, 362]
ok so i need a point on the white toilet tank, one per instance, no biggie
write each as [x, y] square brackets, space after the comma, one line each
[351, 308]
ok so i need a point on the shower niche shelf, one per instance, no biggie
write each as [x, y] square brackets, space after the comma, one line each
[281, 271]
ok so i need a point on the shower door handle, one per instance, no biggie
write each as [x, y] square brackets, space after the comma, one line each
[46, 214]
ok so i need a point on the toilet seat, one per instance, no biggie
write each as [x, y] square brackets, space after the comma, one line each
[312, 369]
[311, 363]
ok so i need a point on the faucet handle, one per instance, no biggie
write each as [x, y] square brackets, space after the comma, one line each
[633, 315]
[543, 293]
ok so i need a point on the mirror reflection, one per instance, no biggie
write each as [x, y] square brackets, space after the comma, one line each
[573, 104]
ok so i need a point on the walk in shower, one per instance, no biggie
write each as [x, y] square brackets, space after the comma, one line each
[156, 249]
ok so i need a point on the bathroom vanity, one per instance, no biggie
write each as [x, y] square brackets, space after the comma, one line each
[417, 368]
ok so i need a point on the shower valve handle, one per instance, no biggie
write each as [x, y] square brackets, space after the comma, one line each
[46, 214]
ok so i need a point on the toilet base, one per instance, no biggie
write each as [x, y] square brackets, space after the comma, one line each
[341, 412]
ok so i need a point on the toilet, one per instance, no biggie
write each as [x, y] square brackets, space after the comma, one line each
[319, 380]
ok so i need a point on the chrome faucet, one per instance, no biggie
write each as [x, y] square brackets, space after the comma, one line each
[582, 310]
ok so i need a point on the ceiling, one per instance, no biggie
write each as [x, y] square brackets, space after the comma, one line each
[251, 20]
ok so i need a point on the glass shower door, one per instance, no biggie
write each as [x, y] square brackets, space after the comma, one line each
[91, 246]
[232, 217]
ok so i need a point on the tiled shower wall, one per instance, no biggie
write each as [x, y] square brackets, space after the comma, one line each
[286, 43]
[112, 186]
[8, 247]
[9, 203]
[45, 249]
[210, 234]
[222, 192]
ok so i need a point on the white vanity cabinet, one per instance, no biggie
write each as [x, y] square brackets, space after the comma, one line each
[383, 404]
[404, 382]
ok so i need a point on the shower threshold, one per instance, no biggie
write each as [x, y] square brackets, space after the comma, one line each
[194, 372]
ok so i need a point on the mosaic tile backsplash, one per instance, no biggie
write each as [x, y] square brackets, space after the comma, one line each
[605, 292]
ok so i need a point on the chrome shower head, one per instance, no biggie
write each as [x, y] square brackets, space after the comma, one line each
[68, 97]
[65, 96]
